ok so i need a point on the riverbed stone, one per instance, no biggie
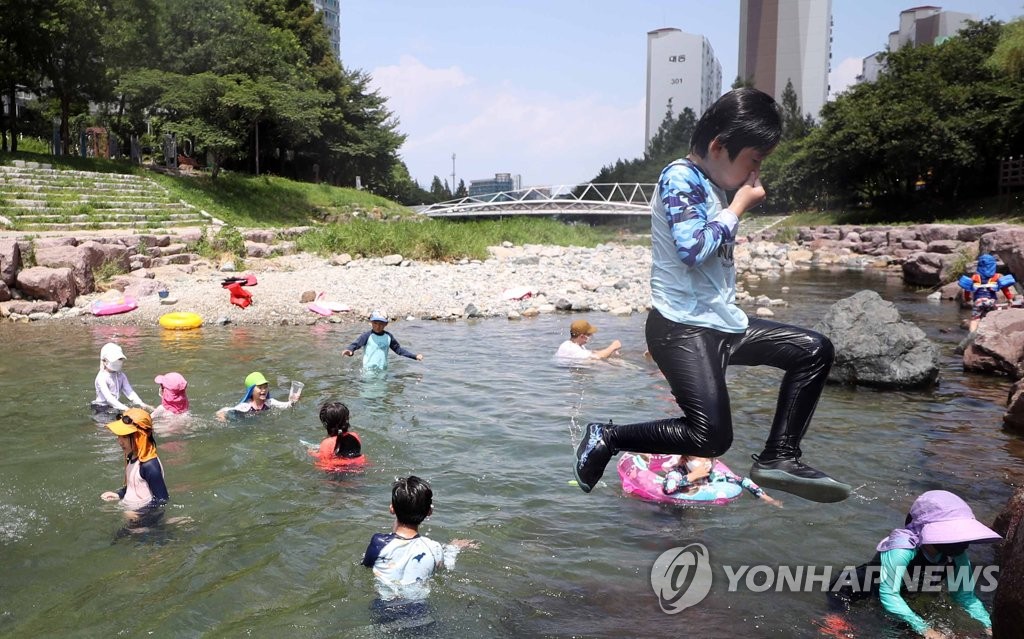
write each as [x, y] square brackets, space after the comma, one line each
[50, 284]
[10, 261]
[926, 269]
[1008, 246]
[392, 260]
[1008, 604]
[876, 347]
[26, 307]
[1013, 418]
[998, 344]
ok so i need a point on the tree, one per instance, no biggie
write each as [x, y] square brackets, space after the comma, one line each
[794, 124]
[461, 191]
[73, 68]
[24, 32]
[743, 83]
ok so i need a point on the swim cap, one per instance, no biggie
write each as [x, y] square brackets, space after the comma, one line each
[255, 379]
[986, 265]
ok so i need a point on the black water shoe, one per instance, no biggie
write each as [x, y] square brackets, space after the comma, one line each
[592, 455]
[794, 476]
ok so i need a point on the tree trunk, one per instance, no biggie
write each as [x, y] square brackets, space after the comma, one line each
[65, 133]
[12, 115]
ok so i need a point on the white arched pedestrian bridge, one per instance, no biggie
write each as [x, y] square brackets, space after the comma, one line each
[583, 200]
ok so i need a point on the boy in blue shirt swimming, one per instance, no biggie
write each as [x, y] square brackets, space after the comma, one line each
[695, 330]
[377, 342]
[403, 560]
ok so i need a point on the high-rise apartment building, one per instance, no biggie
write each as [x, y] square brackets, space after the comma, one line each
[681, 67]
[787, 41]
[331, 11]
[920, 25]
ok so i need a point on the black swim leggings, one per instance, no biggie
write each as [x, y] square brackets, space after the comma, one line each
[694, 361]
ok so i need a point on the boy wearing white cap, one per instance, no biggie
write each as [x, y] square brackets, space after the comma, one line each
[377, 342]
[111, 383]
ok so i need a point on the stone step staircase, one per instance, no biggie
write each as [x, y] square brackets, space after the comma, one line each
[37, 197]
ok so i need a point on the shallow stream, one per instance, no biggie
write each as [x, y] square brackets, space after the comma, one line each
[271, 545]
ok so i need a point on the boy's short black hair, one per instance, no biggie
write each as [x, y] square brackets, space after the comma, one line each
[740, 119]
[411, 498]
[334, 417]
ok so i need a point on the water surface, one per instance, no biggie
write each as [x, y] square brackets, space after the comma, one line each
[273, 546]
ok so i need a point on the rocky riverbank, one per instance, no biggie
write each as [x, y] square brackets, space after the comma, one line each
[515, 281]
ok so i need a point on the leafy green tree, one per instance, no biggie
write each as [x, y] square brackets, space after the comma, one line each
[72, 69]
[25, 29]
[795, 124]
[461, 191]
[741, 83]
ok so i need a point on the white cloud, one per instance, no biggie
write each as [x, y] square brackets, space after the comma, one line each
[501, 128]
[844, 76]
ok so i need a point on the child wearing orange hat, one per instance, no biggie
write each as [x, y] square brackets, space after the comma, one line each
[144, 485]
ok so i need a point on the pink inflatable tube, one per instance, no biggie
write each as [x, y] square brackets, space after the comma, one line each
[125, 304]
[643, 479]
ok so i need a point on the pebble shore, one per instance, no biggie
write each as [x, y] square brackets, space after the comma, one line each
[610, 278]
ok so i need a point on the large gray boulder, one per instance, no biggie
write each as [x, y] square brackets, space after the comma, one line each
[998, 344]
[875, 347]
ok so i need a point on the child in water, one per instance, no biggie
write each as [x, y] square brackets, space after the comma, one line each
[377, 342]
[985, 290]
[936, 535]
[173, 400]
[403, 560]
[144, 487]
[689, 473]
[111, 383]
[257, 398]
[342, 448]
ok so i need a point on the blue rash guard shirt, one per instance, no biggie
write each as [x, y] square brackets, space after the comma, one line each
[374, 358]
[693, 277]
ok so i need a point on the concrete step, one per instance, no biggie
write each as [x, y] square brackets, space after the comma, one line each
[65, 184]
[49, 172]
[98, 204]
[101, 213]
[37, 196]
[126, 217]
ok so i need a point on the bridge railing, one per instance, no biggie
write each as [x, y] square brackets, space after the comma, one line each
[630, 198]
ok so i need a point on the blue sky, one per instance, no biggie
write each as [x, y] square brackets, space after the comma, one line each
[553, 90]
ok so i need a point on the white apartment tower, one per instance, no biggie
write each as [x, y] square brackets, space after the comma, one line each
[681, 67]
[920, 25]
[787, 41]
[331, 11]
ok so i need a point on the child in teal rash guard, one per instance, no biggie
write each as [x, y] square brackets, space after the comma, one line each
[377, 342]
[930, 550]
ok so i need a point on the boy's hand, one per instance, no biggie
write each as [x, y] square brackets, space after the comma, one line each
[748, 196]
[347, 353]
[464, 543]
[109, 496]
[419, 357]
[616, 345]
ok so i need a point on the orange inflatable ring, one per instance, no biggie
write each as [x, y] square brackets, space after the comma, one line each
[181, 321]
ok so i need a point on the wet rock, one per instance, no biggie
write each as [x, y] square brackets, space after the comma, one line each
[1008, 604]
[5, 293]
[875, 347]
[1013, 419]
[926, 269]
[998, 344]
[23, 307]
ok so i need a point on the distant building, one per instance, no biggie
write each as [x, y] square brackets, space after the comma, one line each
[785, 41]
[501, 183]
[681, 67]
[918, 25]
[331, 10]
